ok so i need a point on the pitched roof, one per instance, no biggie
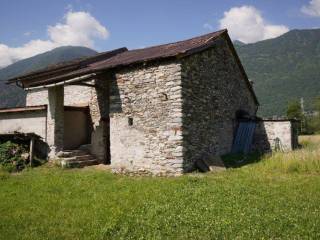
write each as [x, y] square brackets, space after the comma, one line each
[123, 57]
[117, 58]
[185, 47]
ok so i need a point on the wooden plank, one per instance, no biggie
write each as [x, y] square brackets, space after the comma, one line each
[31, 153]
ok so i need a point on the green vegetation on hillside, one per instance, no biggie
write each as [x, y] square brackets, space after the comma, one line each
[276, 198]
[10, 95]
[309, 121]
[283, 69]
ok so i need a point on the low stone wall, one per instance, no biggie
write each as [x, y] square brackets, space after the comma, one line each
[272, 134]
[24, 122]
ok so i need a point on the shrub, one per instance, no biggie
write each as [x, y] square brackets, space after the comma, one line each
[11, 156]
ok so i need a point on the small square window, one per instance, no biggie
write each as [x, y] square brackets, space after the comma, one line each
[130, 121]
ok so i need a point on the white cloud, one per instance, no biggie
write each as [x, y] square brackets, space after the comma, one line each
[208, 26]
[78, 29]
[247, 25]
[27, 34]
[312, 9]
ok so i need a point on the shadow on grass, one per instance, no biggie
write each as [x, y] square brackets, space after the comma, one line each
[239, 160]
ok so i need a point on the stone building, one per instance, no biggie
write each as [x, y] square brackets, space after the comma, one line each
[153, 110]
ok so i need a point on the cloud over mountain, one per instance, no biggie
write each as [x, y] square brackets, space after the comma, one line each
[246, 24]
[312, 9]
[77, 29]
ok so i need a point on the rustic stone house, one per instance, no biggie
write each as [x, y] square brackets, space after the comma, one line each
[153, 110]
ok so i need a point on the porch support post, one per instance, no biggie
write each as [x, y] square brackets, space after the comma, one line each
[55, 120]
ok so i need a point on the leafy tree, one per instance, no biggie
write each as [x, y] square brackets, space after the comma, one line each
[316, 105]
[294, 110]
[313, 121]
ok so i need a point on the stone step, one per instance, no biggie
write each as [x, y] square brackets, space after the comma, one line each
[79, 164]
[71, 153]
[85, 157]
[85, 147]
[79, 158]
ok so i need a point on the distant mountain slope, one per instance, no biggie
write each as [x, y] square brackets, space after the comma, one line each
[10, 95]
[238, 43]
[284, 68]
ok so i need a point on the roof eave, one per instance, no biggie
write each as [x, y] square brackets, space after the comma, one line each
[68, 66]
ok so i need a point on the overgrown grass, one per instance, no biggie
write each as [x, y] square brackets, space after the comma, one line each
[304, 160]
[263, 200]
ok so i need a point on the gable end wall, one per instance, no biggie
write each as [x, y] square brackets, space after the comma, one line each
[213, 90]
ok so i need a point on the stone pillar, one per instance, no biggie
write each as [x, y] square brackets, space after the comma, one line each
[99, 111]
[55, 120]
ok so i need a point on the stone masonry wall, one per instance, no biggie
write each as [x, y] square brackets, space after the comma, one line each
[146, 120]
[267, 132]
[214, 89]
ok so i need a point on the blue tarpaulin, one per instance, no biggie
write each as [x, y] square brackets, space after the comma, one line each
[244, 137]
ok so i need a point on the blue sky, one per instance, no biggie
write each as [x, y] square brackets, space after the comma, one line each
[142, 23]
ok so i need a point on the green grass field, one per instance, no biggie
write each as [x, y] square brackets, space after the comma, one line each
[277, 198]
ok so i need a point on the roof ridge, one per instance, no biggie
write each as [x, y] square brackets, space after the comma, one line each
[181, 41]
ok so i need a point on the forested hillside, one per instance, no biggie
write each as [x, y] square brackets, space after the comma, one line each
[284, 68]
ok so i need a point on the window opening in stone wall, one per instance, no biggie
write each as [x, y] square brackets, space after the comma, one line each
[130, 121]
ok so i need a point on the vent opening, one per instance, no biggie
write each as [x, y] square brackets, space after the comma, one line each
[130, 121]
